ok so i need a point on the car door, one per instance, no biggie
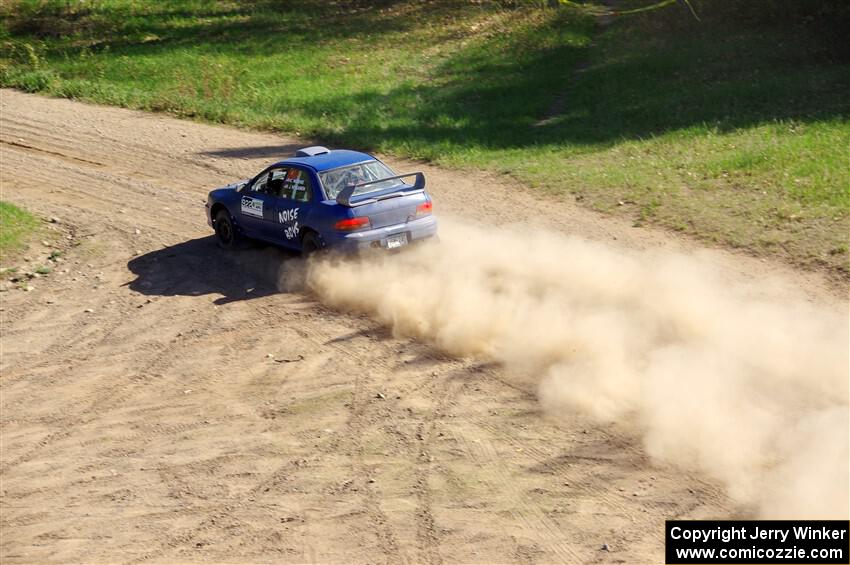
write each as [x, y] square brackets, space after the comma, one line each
[257, 205]
[293, 206]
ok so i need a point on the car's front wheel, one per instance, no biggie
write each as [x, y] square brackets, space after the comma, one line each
[225, 231]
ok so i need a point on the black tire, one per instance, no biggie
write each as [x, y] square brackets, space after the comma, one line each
[311, 244]
[225, 231]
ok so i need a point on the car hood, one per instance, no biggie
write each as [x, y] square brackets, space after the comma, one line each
[235, 185]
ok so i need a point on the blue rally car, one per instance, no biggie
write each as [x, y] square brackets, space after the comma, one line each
[338, 199]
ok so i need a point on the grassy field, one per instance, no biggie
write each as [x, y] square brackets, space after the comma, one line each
[16, 227]
[734, 128]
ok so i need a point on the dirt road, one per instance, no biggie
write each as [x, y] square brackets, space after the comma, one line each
[163, 402]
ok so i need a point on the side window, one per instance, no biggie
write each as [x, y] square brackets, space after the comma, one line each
[260, 184]
[277, 178]
[270, 182]
[297, 186]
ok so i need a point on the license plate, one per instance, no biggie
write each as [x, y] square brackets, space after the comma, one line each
[396, 240]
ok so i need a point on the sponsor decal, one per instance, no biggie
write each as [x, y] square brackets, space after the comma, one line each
[289, 219]
[252, 206]
[295, 185]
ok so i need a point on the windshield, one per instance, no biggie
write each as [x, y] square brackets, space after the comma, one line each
[337, 179]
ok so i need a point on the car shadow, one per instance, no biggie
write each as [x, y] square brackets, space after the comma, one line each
[277, 152]
[198, 267]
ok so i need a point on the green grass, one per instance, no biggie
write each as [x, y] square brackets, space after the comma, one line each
[735, 128]
[16, 227]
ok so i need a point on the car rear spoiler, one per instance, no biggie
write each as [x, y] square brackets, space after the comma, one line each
[344, 198]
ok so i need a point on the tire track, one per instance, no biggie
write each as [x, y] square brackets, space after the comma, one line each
[85, 393]
[535, 524]
[106, 398]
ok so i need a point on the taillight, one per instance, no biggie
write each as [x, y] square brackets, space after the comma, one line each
[350, 224]
[424, 209]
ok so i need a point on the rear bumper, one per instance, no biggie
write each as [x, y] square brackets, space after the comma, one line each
[416, 230]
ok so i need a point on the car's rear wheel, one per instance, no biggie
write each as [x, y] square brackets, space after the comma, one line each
[225, 231]
[311, 244]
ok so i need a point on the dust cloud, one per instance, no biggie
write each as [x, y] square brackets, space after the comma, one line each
[745, 385]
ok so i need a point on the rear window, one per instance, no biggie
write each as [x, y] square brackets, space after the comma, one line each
[337, 179]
